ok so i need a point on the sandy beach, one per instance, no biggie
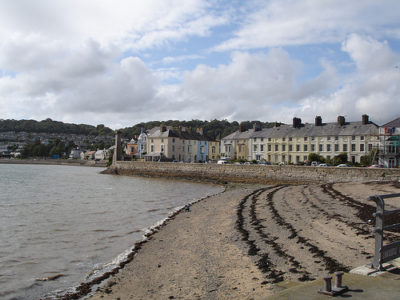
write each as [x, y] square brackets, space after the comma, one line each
[241, 243]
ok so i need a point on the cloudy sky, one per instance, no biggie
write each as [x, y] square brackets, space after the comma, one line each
[121, 62]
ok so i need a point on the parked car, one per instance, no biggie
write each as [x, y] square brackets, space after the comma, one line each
[314, 163]
[375, 166]
[322, 165]
[222, 162]
[343, 166]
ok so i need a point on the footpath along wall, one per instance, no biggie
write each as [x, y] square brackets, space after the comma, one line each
[254, 173]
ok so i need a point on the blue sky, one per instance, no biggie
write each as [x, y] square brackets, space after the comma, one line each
[122, 62]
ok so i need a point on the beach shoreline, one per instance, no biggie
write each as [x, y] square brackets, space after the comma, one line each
[221, 248]
[58, 162]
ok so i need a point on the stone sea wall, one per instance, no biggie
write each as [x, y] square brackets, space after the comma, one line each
[254, 173]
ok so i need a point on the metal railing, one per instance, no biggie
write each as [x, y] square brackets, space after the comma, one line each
[384, 253]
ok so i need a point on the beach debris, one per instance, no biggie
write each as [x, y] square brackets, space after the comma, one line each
[187, 207]
[54, 277]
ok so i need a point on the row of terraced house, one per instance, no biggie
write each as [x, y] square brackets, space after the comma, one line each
[289, 144]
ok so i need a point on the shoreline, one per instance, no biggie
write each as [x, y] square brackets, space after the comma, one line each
[56, 162]
[85, 289]
[222, 249]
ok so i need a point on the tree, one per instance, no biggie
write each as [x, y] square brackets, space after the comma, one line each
[315, 157]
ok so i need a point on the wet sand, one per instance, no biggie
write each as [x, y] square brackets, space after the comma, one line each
[241, 243]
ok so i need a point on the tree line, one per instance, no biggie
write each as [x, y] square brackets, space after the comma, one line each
[212, 130]
[50, 126]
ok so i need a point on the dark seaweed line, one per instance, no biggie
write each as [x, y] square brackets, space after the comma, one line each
[264, 263]
[271, 241]
[339, 218]
[364, 211]
[331, 264]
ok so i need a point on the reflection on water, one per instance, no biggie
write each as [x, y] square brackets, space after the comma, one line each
[63, 222]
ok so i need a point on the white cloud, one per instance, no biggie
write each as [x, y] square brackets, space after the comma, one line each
[128, 24]
[287, 22]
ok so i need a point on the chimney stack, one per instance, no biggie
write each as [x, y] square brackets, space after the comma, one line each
[277, 124]
[242, 127]
[341, 120]
[257, 126]
[163, 128]
[296, 122]
[365, 119]
[318, 121]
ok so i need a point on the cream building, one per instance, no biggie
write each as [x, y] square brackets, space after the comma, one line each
[293, 143]
[165, 143]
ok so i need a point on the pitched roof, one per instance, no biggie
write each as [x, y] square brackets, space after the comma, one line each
[394, 123]
[173, 132]
[309, 130]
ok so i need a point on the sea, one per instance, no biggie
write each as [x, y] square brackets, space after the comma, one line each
[71, 223]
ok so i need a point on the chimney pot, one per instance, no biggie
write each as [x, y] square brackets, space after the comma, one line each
[341, 120]
[318, 121]
[365, 119]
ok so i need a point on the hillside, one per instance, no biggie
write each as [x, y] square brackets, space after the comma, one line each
[211, 129]
[50, 126]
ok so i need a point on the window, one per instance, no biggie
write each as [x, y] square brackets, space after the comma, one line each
[269, 147]
[344, 147]
[276, 147]
[362, 137]
[336, 138]
[362, 147]
[262, 148]
[189, 148]
[283, 139]
[173, 140]
[312, 138]
[269, 139]
[173, 148]
[290, 158]
[290, 139]
[312, 148]
[202, 149]
[283, 147]
[353, 147]
[255, 139]
[297, 148]
[328, 138]
[262, 139]
[290, 148]
[353, 137]
[305, 158]
[283, 158]
[328, 147]
[213, 149]
[297, 158]
[255, 147]
[321, 147]
[152, 140]
[336, 147]
[162, 140]
[152, 148]
[305, 148]
[369, 147]
[162, 147]
[276, 158]
[305, 139]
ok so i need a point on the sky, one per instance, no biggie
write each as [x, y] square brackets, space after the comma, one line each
[122, 62]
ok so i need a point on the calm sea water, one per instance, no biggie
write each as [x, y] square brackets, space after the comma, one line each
[74, 221]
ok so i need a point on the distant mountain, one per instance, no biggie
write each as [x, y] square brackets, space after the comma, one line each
[50, 126]
[211, 129]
